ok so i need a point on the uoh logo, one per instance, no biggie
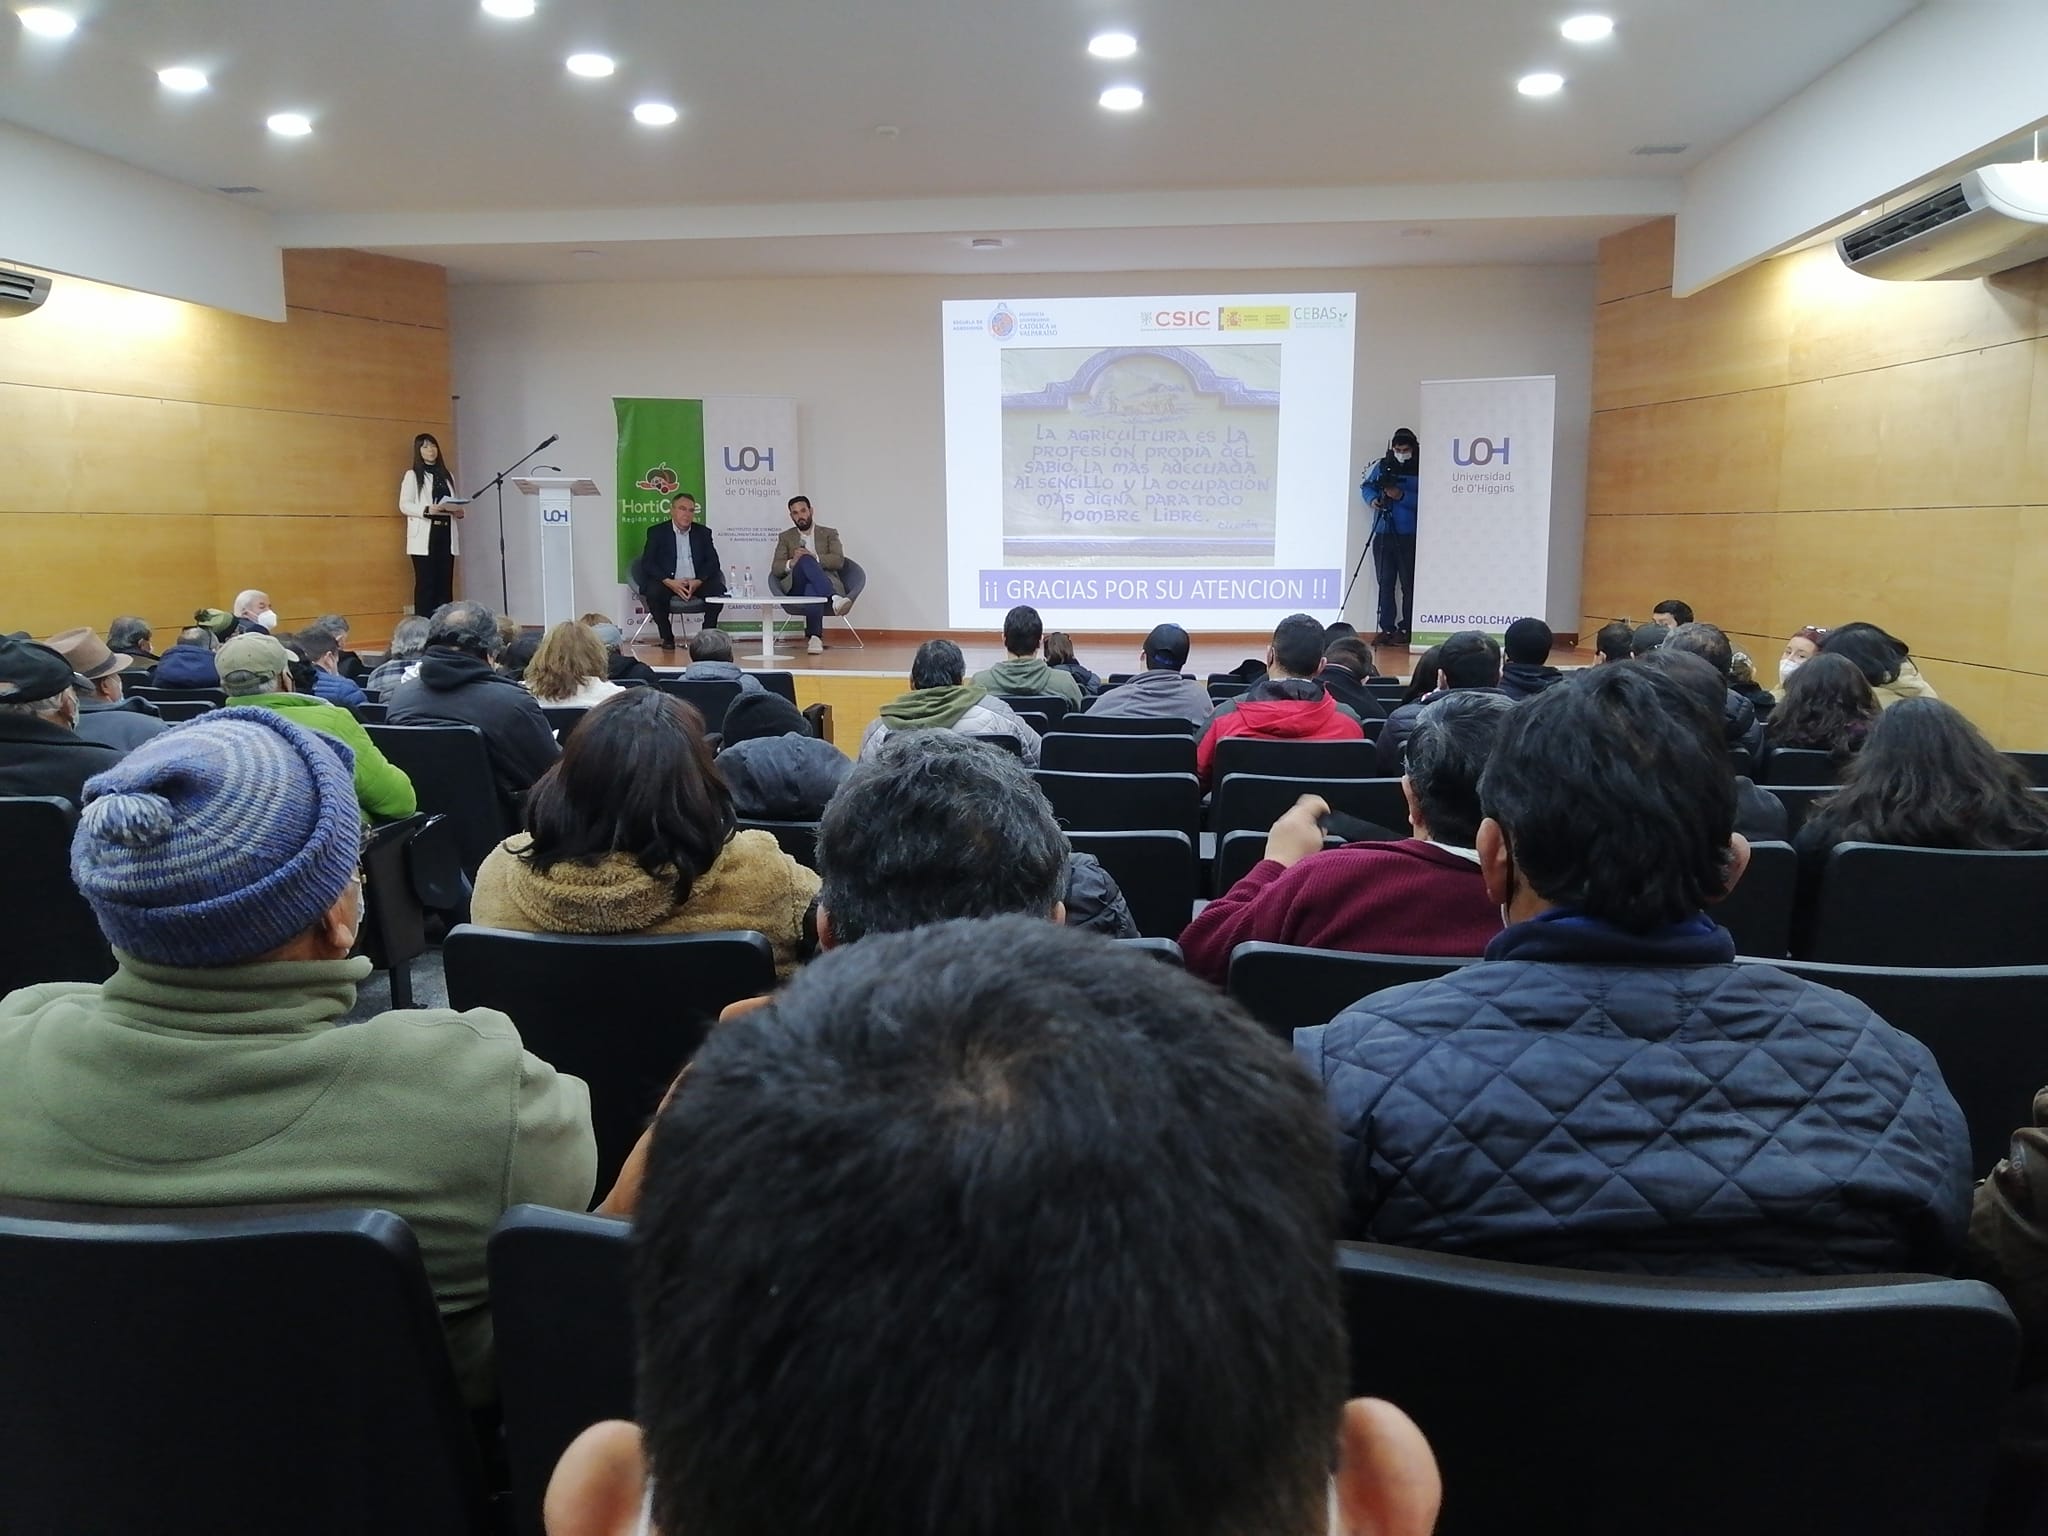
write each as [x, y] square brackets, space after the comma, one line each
[1482, 451]
[750, 459]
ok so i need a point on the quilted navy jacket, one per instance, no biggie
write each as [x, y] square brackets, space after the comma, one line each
[1600, 1100]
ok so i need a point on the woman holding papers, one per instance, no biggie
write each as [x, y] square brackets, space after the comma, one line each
[426, 497]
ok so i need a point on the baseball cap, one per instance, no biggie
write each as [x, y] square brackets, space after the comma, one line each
[247, 662]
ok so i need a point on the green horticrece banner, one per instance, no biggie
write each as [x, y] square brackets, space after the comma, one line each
[661, 453]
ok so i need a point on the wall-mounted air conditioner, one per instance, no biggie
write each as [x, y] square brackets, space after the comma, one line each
[21, 292]
[1991, 219]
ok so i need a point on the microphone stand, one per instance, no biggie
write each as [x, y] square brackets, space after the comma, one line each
[497, 483]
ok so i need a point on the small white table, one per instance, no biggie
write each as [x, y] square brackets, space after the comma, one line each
[767, 605]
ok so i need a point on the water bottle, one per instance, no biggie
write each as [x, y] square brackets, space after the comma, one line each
[746, 581]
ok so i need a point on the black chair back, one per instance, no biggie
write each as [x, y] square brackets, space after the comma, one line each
[2034, 765]
[1868, 1405]
[783, 683]
[1088, 723]
[1295, 759]
[563, 718]
[1799, 800]
[709, 695]
[1073, 752]
[1037, 722]
[394, 931]
[798, 839]
[1010, 744]
[1758, 912]
[1158, 872]
[174, 711]
[1879, 905]
[1050, 705]
[1799, 765]
[1741, 763]
[1984, 1026]
[1238, 853]
[1288, 988]
[1218, 692]
[192, 1373]
[622, 1013]
[1252, 802]
[562, 1314]
[1124, 802]
[215, 696]
[51, 932]
[372, 713]
[451, 774]
[1165, 950]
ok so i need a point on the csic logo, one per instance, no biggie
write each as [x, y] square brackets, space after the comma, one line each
[750, 459]
[1001, 323]
[1481, 452]
[661, 480]
[1176, 319]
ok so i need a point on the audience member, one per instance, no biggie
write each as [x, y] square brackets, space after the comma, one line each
[632, 832]
[324, 652]
[350, 664]
[130, 636]
[1742, 680]
[1426, 678]
[456, 685]
[1159, 692]
[408, 640]
[105, 714]
[1024, 670]
[1528, 671]
[1886, 662]
[1671, 613]
[41, 752]
[711, 662]
[776, 769]
[1828, 707]
[253, 613]
[1760, 816]
[1287, 704]
[1465, 660]
[1043, 1223]
[221, 861]
[255, 671]
[1608, 1089]
[510, 632]
[620, 666]
[568, 668]
[1423, 896]
[1648, 638]
[1347, 663]
[189, 663]
[940, 699]
[1740, 727]
[219, 623]
[1059, 653]
[519, 645]
[1800, 649]
[1613, 642]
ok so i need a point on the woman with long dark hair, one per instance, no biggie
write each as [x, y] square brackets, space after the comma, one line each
[1886, 662]
[1827, 707]
[423, 496]
[632, 831]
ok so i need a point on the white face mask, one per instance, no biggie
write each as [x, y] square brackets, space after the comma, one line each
[1787, 665]
[267, 619]
[1402, 455]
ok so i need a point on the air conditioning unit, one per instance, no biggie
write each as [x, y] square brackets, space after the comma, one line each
[1992, 219]
[21, 292]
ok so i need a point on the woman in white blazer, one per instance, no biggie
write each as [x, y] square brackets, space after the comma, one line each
[429, 525]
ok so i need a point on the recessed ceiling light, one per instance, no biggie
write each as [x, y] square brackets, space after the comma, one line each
[47, 21]
[987, 243]
[293, 125]
[510, 10]
[1540, 84]
[182, 77]
[592, 66]
[1112, 45]
[1587, 29]
[1122, 98]
[655, 114]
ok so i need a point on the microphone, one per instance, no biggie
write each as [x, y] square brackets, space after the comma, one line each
[550, 442]
[553, 469]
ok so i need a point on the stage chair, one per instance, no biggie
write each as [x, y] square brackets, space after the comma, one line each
[451, 774]
[1880, 905]
[855, 579]
[51, 932]
[1077, 752]
[1286, 987]
[1124, 802]
[1156, 871]
[697, 607]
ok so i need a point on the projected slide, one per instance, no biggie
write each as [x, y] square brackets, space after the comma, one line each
[1116, 462]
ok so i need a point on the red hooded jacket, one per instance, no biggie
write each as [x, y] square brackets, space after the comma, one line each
[1276, 719]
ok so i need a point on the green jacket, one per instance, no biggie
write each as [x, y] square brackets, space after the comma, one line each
[1030, 674]
[233, 1086]
[382, 790]
[931, 709]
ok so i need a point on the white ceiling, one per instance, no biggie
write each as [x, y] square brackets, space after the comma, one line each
[429, 113]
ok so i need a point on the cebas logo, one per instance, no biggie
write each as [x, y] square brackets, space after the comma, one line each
[1176, 319]
[1481, 452]
[750, 459]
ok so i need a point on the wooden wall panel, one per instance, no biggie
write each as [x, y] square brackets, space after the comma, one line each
[1734, 336]
[1715, 454]
[369, 287]
[1636, 261]
[1842, 323]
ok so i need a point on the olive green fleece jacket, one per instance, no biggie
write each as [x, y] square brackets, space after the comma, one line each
[382, 789]
[233, 1086]
[1029, 674]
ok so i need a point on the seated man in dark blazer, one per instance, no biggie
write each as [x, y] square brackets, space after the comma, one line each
[680, 561]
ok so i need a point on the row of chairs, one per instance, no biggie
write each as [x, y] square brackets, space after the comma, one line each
[1801, 766]
[273, 1371]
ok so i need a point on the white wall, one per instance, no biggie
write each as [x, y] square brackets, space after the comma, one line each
[861, 355]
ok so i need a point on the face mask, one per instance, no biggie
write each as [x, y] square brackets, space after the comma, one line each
[1786, 667]
[267, 619]
[1402, 455]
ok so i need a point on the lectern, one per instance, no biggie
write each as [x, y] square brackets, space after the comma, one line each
[554, 540]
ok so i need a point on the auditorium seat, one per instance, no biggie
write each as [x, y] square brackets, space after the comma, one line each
[1090, 724]
[1050, 705]
[1798, 765]
[394, 929]
[1758, 912]
[709, 697]
[1165, 950]
[192, 1373]
[622, 1012]
[1295, 759]
[2034, 765]
[561, 1310]
[214, 696]
[1287, 988]
[1252, 802]
[564, 718]
[451, 775]
[1611, 1405]
[176, 711]
[783, 683]
[1799, 800]
[1881, 905]
[1038, 722]
[1156, 870]
[1239, 852]
[51, 932]
[1124, 802]
[1221, 691]
[372, 713]
[798, 839]
[1010, 744]
[1074, 752]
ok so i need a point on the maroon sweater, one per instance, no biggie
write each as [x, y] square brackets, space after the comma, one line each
[1406, 898]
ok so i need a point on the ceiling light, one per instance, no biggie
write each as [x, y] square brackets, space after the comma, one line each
[46, 21]
[293, 125]
[655, 114]
[1587, 29]
[592, 66]
[1112, 45]
[1122, 98]
[182, 77]
[1540, 84]
[509, 10]
[987, 243]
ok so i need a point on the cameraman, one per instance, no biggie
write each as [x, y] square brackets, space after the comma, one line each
[1389, 487]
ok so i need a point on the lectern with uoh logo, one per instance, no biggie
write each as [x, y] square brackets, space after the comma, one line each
[557, 499]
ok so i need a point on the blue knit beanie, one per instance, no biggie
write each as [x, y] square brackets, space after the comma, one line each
[219, 840]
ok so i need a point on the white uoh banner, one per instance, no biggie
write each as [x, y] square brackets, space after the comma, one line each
[1482, 547]
[750, 472]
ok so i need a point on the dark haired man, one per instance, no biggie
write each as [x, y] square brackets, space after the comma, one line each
[1760, 816]
[1609, 1089]
[678, 570]
[1648, 638]
[1465, 660]
[1423, 896]
[1671, 613]
[1347, 663]
[941, 699]
[1528, 671]
[1288, 703]
[1023, 670]
[1614, 641]
[947, 1349]
[807, 561]
[1159, 692]
[323, 650]
[458, 685]
[1740, 726]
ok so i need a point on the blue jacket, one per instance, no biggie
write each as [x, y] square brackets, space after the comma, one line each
[1595, 1099]
[336, 689]
[186, 666]
[1400, 514]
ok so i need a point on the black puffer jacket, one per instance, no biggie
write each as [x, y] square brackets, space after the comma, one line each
[455, 688]
[782, 778]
